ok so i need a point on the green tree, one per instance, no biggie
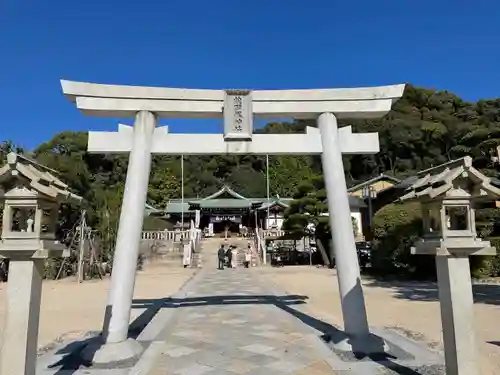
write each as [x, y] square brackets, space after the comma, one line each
[307, 210]
[286, 173]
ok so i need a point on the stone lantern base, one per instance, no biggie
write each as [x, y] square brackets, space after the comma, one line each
[24, 293]
[99, 352]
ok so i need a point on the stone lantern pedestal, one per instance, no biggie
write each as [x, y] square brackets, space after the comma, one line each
[31, 198]
[448, 195]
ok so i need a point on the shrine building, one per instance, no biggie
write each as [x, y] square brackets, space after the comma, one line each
[228, 209]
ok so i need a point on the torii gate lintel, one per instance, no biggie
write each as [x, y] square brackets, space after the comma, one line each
[165, 143]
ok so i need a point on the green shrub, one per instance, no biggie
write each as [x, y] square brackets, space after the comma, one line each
[486, 266]
[487, 227]
[396, 227]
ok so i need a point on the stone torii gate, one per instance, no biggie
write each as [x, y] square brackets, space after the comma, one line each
[238, 107]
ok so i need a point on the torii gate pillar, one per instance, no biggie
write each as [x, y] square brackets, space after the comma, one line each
[344, 245]
[147, 104]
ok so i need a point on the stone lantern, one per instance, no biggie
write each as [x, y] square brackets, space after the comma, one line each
[448, 195]
[31, 196]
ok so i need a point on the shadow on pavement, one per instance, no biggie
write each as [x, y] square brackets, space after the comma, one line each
[327, 331]
[72, 362]
[497, 343]
[428, 291]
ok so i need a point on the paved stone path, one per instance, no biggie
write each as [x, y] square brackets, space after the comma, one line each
[229, 324]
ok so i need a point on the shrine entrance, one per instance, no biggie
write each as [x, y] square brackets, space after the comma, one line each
[223, 222]
[219, 223]
[225, 211]
[238, 108]
[226, 226]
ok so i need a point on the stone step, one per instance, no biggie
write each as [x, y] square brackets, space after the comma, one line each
[171, 263]
[197, 262]
[175, 255]
[210, 247]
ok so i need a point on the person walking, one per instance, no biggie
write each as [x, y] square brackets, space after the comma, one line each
[229, 256]
[221, 254]
[248, 256]
[234, 255]
[186, 257]
[279, 262]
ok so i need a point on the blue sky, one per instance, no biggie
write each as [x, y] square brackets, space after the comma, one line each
[273, 44]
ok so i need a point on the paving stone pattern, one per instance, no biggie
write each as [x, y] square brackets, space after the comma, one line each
[229, 324]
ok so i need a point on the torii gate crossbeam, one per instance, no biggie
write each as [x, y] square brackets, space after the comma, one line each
[165, 143]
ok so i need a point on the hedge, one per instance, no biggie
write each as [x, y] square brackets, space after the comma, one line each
[397, 226]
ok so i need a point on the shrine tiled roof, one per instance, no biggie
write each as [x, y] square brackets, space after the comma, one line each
[224, 203]
[355, 202]
[275, 202]
[225, 191]
[371, 181]
[150, 210]
[226, 198]
[176, 206]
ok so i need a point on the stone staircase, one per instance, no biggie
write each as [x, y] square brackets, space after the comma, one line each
[169, 253]
[208, 251]
[211, 246]
[197, 256]
[172, 258]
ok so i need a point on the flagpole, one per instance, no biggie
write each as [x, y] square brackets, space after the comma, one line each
[182, 192]
[267, 183]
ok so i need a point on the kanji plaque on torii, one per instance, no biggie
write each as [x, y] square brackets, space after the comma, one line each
[238, 107]
[238, 115]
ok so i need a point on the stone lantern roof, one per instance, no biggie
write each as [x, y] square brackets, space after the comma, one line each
[448, 194]
[38, 181]
[453, 180]
[31, 195]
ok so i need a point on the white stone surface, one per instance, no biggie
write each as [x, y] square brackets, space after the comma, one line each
[113, 107]
[344, 246]
[32, 190]
[165, 143]
[238, 115]
[457, 315]
[110, 352]
[125, 101]
[130, 229]
[73, 89]
[20, 337]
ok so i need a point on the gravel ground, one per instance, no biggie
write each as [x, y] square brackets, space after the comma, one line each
[421, 370]
[410, 308]
[70, 310]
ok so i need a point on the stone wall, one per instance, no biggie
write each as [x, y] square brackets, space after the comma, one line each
[150, 249]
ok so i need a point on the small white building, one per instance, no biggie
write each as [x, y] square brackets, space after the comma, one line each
[356, 205]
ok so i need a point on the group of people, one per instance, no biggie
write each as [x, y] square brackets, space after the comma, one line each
[227, 256]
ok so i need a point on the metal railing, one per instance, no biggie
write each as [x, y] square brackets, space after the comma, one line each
[194, 242]
[166, 235]
[260, 247]
[273, 233]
